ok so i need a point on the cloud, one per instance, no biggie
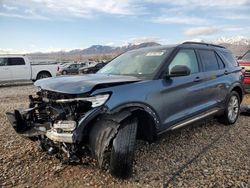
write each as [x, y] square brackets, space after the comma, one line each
[77, 8]
[211, 30]
[24, 16]
[181, 19]
[201, 31]
[9, 8]
[207, 3]
[235, 17]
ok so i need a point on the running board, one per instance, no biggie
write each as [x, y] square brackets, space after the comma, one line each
[193, 119]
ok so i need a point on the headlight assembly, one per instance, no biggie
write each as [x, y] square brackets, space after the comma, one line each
[96, 100]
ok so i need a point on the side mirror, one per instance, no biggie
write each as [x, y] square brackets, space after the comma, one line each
[179, 70]
[239, 57]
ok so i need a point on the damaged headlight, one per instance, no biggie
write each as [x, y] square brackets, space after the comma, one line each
[96, 100]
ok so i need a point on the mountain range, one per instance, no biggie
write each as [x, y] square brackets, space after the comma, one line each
[91, 52]
[238, 45]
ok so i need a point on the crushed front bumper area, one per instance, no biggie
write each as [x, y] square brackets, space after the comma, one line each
[24, 129]
[62, 129]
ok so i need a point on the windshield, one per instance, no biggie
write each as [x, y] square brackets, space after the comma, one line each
[139, 63]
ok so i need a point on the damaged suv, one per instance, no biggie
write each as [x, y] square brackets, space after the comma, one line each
[139, 95]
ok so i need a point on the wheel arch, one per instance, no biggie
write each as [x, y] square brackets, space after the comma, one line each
[145, 115]
[41, 72]
[148, 120]
[237, 88]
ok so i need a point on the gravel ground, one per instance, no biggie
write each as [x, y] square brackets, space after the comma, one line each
[207, 154]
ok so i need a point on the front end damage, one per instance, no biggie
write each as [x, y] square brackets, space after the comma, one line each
[59, 122]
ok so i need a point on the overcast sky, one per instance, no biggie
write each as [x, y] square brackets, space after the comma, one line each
[45, 25]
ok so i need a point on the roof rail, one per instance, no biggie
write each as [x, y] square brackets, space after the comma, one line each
[203, 43]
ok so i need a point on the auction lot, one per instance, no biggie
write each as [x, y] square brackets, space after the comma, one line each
[207, 154]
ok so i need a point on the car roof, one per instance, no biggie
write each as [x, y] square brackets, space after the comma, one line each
[12, 55]
[199, 45]
[203, 45]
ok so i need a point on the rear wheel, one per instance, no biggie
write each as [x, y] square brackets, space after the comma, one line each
[232, 109]
[42, 75]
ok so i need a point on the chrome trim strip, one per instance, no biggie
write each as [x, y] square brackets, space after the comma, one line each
[194, 119]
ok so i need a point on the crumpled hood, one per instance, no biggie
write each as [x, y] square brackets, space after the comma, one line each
[82, 83]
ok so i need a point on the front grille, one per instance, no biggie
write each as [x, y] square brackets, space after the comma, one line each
[55, 95]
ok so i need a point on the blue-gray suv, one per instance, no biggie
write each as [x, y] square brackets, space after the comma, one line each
[138, 95]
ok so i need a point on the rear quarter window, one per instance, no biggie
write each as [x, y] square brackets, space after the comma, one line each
[229, 58]
[246, 56]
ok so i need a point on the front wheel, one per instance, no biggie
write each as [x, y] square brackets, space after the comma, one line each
[232, 109]
[122, 154]
[121, 138]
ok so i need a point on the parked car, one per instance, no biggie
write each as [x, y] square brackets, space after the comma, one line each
[18, 67]
[92, 69]
[244, 62]
[70, 68]
[138, 95]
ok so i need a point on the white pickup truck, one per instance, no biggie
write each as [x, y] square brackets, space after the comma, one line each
[18, 67]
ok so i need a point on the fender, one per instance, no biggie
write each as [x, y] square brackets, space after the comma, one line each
[133, 106]
[79, 132]
[237, 84]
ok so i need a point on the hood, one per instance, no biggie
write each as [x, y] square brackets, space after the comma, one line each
[82, 84]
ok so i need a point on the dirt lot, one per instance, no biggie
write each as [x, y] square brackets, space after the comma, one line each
[205, 155]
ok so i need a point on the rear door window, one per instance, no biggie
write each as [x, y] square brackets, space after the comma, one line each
[209, 60]
[13, 61]
[3, 61]
[220, 62]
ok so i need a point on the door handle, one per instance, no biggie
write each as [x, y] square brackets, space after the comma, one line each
[197, 79]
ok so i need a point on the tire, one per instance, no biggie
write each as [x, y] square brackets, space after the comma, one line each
[122, 153]
[100, 136]
[64, 72]
[42, 75]
[232, 109]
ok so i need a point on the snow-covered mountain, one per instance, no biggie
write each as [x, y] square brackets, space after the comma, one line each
[237, 40]
[238, 44]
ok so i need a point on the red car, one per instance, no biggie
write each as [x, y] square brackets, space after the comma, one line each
[244, 62]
